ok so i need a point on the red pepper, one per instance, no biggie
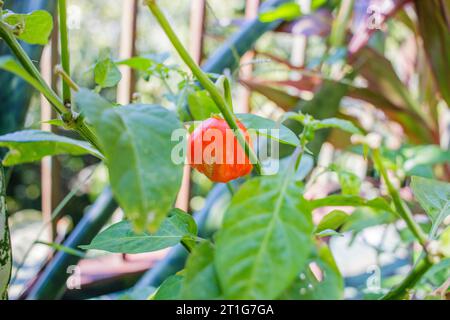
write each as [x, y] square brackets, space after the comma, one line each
[214, 151]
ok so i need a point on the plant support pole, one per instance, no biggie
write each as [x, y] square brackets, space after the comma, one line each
[204, 81]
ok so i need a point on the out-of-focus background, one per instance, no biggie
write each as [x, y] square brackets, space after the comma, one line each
[284, 69]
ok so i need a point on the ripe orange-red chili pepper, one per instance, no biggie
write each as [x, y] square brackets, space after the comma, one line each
[214, 151]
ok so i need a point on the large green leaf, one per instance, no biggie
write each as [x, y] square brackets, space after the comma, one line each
[121, 237]
[35, 26]
[308, 287]
[33, 145]
[265, 127]
[136, 141]
[265, 239]
[434, 197]
[200, 278]
[365, 217]
[170, 289]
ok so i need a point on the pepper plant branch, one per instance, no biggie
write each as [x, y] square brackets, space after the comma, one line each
[399, 204]
[64, 43]
[410, 281]
[204, 81]
[76, 123]
[67, 80]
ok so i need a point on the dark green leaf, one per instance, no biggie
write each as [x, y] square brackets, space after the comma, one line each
[265, 239]
[136, 140]
[33, 145]
[332, 220]
[35, 26]
[121, 237]
[267, 127]
[5, 242]
[200, 279]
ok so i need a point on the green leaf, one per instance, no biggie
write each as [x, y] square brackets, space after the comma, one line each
[266, 127]
[8, 63]
[444, 242]
[136, 141]
[201, 105]
[32, 145]
[417, 157]
[342, 124]
[265, 239]
[328, 233]
[351, 201]
[170, 289]
[434, 197]
[106, 73]
[200, 278]
[121, 237]
[60, 247]
[35, 26]
[286, 11]
[308, 287]
[363, 218]
[332, 220]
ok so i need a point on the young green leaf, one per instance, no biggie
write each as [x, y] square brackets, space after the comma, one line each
[268, 128]
[136, 141]
[287, 11]
[32, 145]
[121, 237]
[34, 27]
[332, 220]
[170, 289]
[265, 239]
[342, 124]
[434, 197]
[200, 278]
[106, 73]
[328, 233]
[366, 217]
[201, 105]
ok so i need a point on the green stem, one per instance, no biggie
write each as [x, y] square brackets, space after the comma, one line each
[400, 206]
[230, 188]
[67, 80]
[28, 65]
[76, 123]
[204, 81]
[64, 43]
[410, 281]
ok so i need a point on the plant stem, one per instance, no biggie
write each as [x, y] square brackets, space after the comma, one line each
[230, 188]
[28, 65]
[76, 123]
[204, 81]
[67, 80]
[410, 281]
[65, 56]
[400, 206]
